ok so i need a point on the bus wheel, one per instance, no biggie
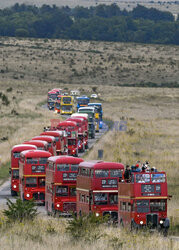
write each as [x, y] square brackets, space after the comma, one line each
[13, 193]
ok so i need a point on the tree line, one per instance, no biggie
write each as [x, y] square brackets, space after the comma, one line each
[100, 23]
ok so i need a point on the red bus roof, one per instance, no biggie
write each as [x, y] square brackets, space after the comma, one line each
[57, 89]
[67, 123]
[75, 119]
[79, 116]
[37, 143]
[22, 147]
[52, 92]
[65, 159]
[52, 133]
[44, 138]
[35, 153]
[101, 165]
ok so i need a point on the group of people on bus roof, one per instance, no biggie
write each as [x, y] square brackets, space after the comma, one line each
[138, 167]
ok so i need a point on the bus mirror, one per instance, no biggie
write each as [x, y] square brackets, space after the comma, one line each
[9, 170]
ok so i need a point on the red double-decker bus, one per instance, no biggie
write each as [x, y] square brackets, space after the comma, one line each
[15, 157]
[32, 172]
[85, 119]
[59, 138]
[58, 104]
[97, 188]
[50, 140]
[72, 134]
[143, 201]
[60, 193]
[41, 145]
[81, 132]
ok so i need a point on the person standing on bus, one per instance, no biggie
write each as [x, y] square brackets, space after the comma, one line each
[127, 173]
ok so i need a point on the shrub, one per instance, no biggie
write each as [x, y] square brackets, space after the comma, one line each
[86, 227]
[20, 210]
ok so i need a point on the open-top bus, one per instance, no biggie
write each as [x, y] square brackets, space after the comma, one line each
[72, 135]
[41, 145]
[97, 188]
[32, 172]
[15, 157]
[143, 201]
[50, 140]
[60, 194]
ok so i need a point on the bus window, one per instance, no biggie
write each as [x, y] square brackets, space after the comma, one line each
[56, 138]
[72, 142]
[15, 174]
[142, 178]
[92, 172]
[101, 173]
[115, 173]
[32, 160]
[143, 206]
[41, 182]
[31, 182]
[43, 160]
[157, 205]
[100, 198]
[158, 178]
[74, 167]
[113, 198]
[72, 191]
[16, 154]
[61, 191]
[63, 167]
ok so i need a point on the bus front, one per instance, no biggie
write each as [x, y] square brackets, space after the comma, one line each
[82, 101]
[66, 105]
[32, 175]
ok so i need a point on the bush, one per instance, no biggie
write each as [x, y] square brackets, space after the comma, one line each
[86, 227]
[20, 210]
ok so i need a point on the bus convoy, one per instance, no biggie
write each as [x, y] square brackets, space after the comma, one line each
[47, 169]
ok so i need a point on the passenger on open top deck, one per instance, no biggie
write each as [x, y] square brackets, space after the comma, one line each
[127, 174]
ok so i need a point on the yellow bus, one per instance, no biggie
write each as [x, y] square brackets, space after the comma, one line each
[66, 105]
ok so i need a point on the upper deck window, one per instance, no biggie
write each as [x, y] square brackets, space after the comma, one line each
[66, 100]
[32, 160]
[63, 167]
[61, 191]
[74, 167]
[43, 160]
[16, 154]
[101, 173]
[142, 178]
[158, 178]
[115, 173]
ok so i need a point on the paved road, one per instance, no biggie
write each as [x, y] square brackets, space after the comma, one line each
[5, 188]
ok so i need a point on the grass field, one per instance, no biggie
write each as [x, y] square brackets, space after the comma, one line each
[29, 68]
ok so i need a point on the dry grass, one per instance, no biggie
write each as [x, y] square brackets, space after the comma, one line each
[151, 114]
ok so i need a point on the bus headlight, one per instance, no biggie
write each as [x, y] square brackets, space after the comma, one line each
[28, 195]
[97, 214]
[14, 186]
[141, 222]
[58, 205]
[161, 221]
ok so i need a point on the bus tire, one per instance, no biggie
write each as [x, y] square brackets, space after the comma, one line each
[13, 193]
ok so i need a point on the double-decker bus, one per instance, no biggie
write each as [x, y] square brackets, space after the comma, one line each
[60, 146]
[72, 135]
[81, 132]
[41, 145]
[85, 118]
[82, 101]
[50, 140]
[91, 119]
[143, 201]
[58, 104]
[97, 188]
[32, 172]
[58, 91]
[60, 193]
[66, 105]
[99, 111]
[15, 157]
